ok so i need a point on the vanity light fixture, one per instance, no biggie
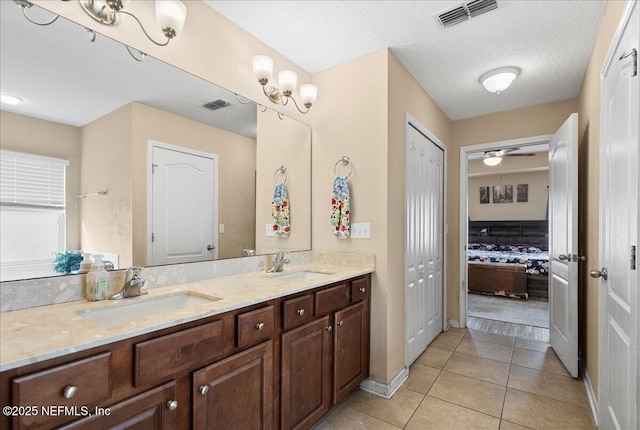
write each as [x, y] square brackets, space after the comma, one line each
[25, 6]
[170, 15]
[10, 100]
[287, 81]
[498, 80]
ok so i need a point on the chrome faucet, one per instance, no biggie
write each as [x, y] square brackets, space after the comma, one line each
[278, 263]
[133, 285]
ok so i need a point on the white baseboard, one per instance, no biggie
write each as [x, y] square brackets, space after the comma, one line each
[386, 390]
[591, 394]
[453, 323]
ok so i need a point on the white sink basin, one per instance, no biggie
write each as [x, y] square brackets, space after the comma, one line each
[303, 275]
[124, 312]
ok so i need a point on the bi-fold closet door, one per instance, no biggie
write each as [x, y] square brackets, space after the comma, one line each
[424, 278]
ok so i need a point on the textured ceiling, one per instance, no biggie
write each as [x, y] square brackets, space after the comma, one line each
[551, 42]
[64, 78]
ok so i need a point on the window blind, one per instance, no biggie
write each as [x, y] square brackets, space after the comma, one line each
[31, 180]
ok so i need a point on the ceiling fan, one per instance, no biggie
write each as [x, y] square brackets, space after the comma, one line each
[493, 158]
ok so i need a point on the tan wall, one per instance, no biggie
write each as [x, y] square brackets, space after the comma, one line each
[237, 166]
[588, 184]
[405, 95]
[107, 166]
[283, 142]
[350, 119]
[507, 173]
[514, 124]
[35, 136]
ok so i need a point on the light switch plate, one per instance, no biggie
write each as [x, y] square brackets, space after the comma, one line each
[361, 230]
[221, 228]
[269, 230]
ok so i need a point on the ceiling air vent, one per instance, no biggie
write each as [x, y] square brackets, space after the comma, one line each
[217, 104]
[465, 11]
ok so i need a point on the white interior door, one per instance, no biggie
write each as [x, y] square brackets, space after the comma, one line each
[424, 279]
[563, 243]
[619, 233]
[183, 207]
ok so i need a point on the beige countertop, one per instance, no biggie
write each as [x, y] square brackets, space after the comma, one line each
[37, 334]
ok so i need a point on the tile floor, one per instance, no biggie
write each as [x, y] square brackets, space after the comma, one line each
[469, 379]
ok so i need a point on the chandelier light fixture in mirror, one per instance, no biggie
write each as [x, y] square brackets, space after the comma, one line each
[287, 82]
[170, 15]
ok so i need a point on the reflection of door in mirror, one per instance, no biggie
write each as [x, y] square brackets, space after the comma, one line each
[184, 205]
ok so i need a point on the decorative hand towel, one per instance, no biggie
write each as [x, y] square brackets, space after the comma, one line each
[280, 211]
[340, 208]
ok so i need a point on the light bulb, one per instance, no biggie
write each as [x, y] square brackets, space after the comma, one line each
[262, 68]
[287, 81]
[308, 94]
[171, 15]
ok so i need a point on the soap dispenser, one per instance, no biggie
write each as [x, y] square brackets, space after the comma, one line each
[85, 266]
[97, 280]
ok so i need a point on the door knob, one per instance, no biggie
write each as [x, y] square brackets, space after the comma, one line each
[564, 257]
[210, 247]
[599, 273]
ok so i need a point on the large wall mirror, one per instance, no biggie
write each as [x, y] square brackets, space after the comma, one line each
[159, 165]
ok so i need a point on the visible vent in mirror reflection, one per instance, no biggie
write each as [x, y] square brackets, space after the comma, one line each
[217, 104]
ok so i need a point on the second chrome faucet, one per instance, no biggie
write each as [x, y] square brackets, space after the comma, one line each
[133, 285]
[278, 263]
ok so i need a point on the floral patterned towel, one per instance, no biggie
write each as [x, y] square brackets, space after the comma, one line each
[280, 211]
[340, 208]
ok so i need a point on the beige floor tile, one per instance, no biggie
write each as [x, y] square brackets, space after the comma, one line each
[483, 349]
[421, 378]
[533, 345]
[490, 337]
[471, 393]
[396, 410]
[434, 357]
[435, 414]
[544, 413]
[506, 425]
[547, 361]
[479, 368]
[564, 388]
[346, 418]
[448, 340]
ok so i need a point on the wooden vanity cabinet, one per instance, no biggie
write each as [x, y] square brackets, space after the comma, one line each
[282, 363]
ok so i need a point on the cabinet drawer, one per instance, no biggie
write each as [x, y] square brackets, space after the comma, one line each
[332, 299]
[255, 326]
[78, 383]
[359, 289]
[157, 359]
[296, 312]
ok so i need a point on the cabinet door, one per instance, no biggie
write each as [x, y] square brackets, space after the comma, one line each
[237, 392]
[350, 350]
[151, 410]
[306, 374]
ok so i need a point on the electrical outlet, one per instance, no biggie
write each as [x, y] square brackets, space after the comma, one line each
[361, 230]
[270, 231]
[221, 228]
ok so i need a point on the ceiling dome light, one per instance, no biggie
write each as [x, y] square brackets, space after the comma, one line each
[498, 80]
[492, 161]
[10, 100]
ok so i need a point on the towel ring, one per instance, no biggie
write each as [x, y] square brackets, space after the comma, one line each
[344, 161]
[283, 170]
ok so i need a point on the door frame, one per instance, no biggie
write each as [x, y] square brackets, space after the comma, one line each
[464, 210]
[410, 121]
[602, 305]
[216, 182]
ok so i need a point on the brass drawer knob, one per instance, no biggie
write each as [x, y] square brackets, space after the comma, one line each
[172, 405]
[300, 312]
[260, 326]
[70, 391]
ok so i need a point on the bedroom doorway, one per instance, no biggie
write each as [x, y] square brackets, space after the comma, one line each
[505, 258]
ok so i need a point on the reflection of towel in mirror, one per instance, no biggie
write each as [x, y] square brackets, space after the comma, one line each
[280, 211]
[340, 208]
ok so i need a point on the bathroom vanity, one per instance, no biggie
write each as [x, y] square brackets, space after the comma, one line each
[277, 355]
